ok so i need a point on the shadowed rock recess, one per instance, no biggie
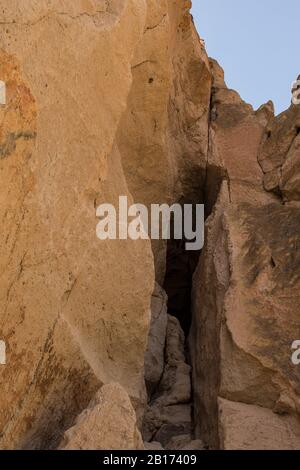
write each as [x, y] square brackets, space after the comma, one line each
[137, 344]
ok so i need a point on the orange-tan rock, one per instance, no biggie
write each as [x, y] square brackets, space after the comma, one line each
[118, 97]
[74, 310]
[109, 423]
[245, 301]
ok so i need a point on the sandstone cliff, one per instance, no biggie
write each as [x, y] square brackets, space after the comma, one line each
[118, 97]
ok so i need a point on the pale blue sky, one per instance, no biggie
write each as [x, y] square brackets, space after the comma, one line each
[256, 42]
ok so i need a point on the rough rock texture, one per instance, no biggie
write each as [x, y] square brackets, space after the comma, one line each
[279, 155]
[104, 98]
[235, 135]
[153, 446]
[175, 385]
[163, 135]
[248, 427]
[184, 442]
[169, 411]
[154, 357]
[245, 294]
[118, 97]
[109, 423]
[74, 310]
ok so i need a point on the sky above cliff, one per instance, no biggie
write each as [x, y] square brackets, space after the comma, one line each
[256, 42]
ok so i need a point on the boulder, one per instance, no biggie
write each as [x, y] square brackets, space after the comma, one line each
[175, 385]
[156, 416]
[154, 357]
[279, 154]
[249, 427]
[184, 442]
[109, 423]
[168, 431]
[153, 446]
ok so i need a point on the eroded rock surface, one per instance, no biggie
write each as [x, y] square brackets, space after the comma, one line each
[74, 310]
[154, 357]
[279, 155]
[248, 427]
[109, 423]
[245, 301]
[169, 411]
[118, 97]
[103, 100]
[163, 135]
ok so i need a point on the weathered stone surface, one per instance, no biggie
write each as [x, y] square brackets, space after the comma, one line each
[184, 442]
[251, 282]
[168, 431]
[163, 136]
[290, 173]
[169, 411]
[154, 357]
[118, 97]
[211, 281]
[123, 110]
[156, 416]
[245, 299]
[248, 427]
[194, 445]
[175, 385]
[178, 442]
[74, 310]
[279, 154]
[153, 446]
[236, 132]
[109, 423]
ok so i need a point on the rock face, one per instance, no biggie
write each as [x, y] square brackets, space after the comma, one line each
[169, 413]
[279, 154]
[74, 310]
[103, 100]
[245, 301]
[109, 423]
[248, 427]
[154, 357]
[118, 97]
[163, 135]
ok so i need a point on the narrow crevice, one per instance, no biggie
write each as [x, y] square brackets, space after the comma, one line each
[178, 285]
[180, 268]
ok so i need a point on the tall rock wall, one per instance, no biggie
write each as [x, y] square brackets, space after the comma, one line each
[103, 99]
[74, 310]
[118, 97]
[163, 136]
[245, 293]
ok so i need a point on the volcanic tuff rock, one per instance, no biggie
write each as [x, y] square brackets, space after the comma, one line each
[109, 422]
[169, 411]
[74, 311]
[118, 97]
[163, 133]
[102, 100]
[154, 357]
[279, 155]
[248, 427]
[245, 293]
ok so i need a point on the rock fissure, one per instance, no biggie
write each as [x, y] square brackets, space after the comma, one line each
[132, 105]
